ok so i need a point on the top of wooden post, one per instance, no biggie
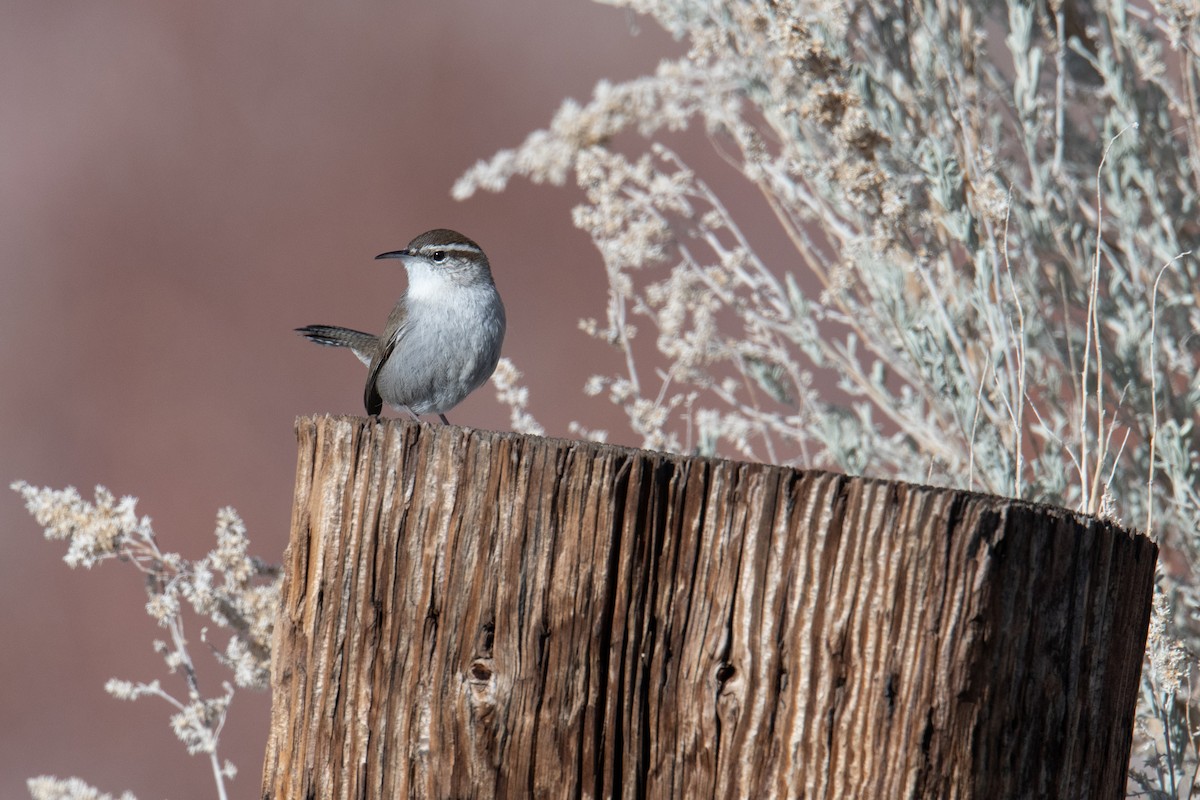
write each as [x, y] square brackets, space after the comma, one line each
[480, 614]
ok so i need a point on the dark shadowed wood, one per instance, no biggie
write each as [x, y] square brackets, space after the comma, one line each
[478, 615]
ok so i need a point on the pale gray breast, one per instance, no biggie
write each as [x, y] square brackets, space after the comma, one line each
[445, 351]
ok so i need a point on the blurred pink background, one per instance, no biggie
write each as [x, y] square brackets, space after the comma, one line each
[181, 184]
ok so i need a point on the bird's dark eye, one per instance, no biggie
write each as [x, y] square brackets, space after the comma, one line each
[439, 256]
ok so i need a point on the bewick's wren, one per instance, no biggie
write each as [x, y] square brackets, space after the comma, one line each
[441, 341]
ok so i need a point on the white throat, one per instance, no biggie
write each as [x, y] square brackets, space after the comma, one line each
[425, 285]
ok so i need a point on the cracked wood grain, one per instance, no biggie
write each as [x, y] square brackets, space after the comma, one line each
[483, 615]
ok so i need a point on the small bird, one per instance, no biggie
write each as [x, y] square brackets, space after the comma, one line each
[441, 341]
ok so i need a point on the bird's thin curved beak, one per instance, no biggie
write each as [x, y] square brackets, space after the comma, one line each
[393, 254]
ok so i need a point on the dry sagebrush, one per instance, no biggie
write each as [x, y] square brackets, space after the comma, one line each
[227, 587]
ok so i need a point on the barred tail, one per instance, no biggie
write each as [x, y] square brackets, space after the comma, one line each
[364, 345]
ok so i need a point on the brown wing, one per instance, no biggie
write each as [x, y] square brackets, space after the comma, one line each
[392, 334]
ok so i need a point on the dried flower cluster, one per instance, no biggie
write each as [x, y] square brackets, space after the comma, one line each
[509, 391]
[1165, 746]
[47, 788]
[227, 587]
[993, 210]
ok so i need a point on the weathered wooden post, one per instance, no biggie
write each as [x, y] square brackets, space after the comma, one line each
[477, 615]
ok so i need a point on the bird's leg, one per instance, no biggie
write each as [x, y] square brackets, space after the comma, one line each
[442, 417]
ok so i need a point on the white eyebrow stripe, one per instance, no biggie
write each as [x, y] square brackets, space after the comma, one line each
[460, 247]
